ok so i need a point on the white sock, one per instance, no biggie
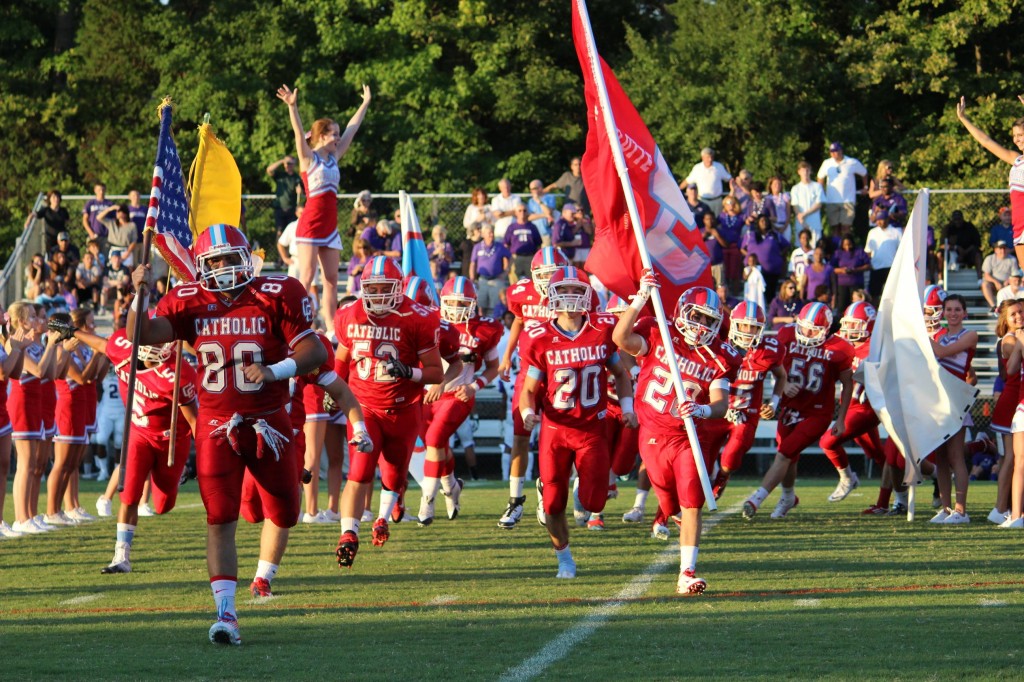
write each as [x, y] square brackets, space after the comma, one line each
[349, 524]
[430, 485]
[266, 570]
[759, 496]
[687, 558]
[844, 474]
[564, 554]
[515, 486]
[448, 483]
[788, 493]
[122, 552]
[901, 497]
[125, 533]
[224, 596]
[388, 502]
[641, 499]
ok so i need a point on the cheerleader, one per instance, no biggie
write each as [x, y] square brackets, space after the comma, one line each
[11, 360]
[1011, 318]
[317, 233]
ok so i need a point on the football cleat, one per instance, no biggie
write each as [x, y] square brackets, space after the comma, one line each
[119, 567]
[690, 584]
[875, 510]
[659, 531]
[596, 522]
[225, 630]
[783, 507]
[997, 517]
[426, 515]
[348, 546]
[940, 517]
[613, 491]
[749, 509]
[845, 487]
[260, 589]
[634, 515]
[578, 512]
[381, 532]
[452, 499]
[104, 507]
[957, 518]
[398, 511]
[898, 509]
[566, 568]
[721, 480]
[513, 512]
[542, 517]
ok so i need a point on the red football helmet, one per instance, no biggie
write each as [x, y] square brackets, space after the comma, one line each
[458, 300]
[934, 301]
[749, 314]
[857, 322]
[698, 316]
[544, 264]
[813, 324]
[382, 285]
[416, 289]
[615, 304]
[223, 242]
[569, 291]
[156, 354]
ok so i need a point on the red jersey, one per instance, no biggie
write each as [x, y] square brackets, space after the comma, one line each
[700, 369]
[261, 325]
[154, 387]
[814, 370]
[573, 370]
[478, 342]
[529, 306]
[747, 392]
[321, 376]
[407, 333]
[448, 341]
[860, 354]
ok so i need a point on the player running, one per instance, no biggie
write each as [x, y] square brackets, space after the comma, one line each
[566, 363]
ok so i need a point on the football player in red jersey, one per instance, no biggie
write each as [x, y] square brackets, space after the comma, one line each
[527, 300]
[762, 355]
[566, 362]
[149, 440]
[234, 321]
[707, 365]
[387, 351]
[815, 361]
[478, 341]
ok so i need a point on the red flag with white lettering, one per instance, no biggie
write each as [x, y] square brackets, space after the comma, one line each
[675, 244]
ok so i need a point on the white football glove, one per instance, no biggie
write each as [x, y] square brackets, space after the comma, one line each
[692, 409]
[736, 416]
[362, 441]
[648, 283]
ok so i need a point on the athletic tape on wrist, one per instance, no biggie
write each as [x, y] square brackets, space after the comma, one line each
[358, 427]
[528, 412]
[144, 302]
[417, 374]
[283, 370]
[480, 382]
[775, 402]
[627, 405]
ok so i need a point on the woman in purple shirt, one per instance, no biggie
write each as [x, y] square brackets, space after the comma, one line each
[850, 263]
[817, 273]
[768, 245]
[730, 228]
[785, 307]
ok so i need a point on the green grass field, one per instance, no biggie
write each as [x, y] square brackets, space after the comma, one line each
[825, 593]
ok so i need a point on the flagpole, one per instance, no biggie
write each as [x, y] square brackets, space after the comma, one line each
[645, 257]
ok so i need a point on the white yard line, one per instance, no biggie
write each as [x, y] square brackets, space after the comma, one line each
[559, 647]
[78, 601]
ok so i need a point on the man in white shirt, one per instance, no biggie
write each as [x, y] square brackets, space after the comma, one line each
[882, 242]
[838, 176]
[1012, 290]
[996, 271]
[806, 198]
[504, 207]
[708, 175]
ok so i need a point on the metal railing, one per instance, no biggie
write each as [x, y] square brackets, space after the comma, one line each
[12, 279]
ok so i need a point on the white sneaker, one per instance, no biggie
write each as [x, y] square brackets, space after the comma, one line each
[225, 631]
[58, 519]
[957, 518]
[146, 510]
[451, 500]
[314, 518]
[542, 518]
[426, 515]
[566, 569]
[660, 532]
[331, 516]
[845, 487]
[42, 524]
[117, 567]
[634, 515]
[578, 512]
[1013, 523]
[27, 527]
[940, 517]
[367, 516]
[784, 506]
[997, 517]
[80, 515]
[104, 507]
[8, 532]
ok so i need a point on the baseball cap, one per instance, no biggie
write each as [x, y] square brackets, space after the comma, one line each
[1001, 243]
[691, 185]
[115, 252]
[63, 237]
[569, 206]
[881, 214]
[835, 147]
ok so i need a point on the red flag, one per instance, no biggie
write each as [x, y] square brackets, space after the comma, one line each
[675, 244]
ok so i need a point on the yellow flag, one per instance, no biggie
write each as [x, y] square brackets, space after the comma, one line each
[215, 184]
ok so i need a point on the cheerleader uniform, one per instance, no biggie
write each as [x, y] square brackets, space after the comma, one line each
[1017, 199]
[71, 413]
[48, 406]
[318, 224]
[1002, 415]
[24, 401]
[5, 418]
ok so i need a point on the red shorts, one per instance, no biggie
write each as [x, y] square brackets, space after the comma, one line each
[148, 458]
[862, 428]
[623, 444]
[220, 471]
[394, 435]
[1002, 415]
[797, 433]
[518, 428]
[25, 407]
[48, 405]
[448, 414]
[560, 448]
[313, 402]
[731, 440]
[673, 473]
[72, 418]
[893, 456]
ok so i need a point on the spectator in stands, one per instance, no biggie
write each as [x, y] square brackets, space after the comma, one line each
[383, 240]
[121, 233]
[116, 277]
[801, 256]
[55, 219]
[697, 207]
[823, 294]
[503, 207]
[838, 175]
[72, 256]
[93, 246]
[88, 280]
[570, 183]
[769, 246]
[785, 306]
[566, 234]
[757, 206]
[996, 271]
[891, 201]
[1011, 290]
[884, 172]
[710, 177]
[1003, 228]
[741, 186]
[849, 263]
[964, 242]
[479, 212]
[585, 229]
[90, 215]
[541, 209]
[819, 272]
[287, 191]
[523, 240]
[469, 241]
[36, 272]
[362, 207]
[730, 228]
[727, 299]
[51, 298]
[807, 197]
[489, 267]
[881, 245]
[753, 280]
[137, 212]
[60, 271]
[362, 252]
[441, 254]
[713, 241]
[861, 295]
[778, 205]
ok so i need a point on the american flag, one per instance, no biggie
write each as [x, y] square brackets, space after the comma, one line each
[168, 205]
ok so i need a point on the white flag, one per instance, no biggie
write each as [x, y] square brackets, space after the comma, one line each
[921, 404]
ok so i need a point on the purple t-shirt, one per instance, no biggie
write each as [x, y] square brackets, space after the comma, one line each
[816, 279]
[444, 255]
[92, 208]
[850, 259]
[768, 251]
[522, 239]
[489, 260]
[564, 231]
[379, 243]
[730, 227]
[138, 216]
[353, 263]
